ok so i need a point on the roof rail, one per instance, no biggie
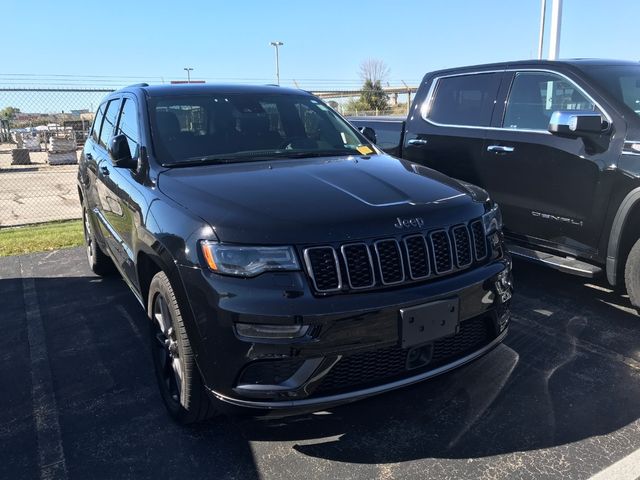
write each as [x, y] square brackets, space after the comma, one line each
[138, 85]
[271, 85]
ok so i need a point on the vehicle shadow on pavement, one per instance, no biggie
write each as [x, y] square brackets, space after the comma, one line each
[112, 423]
[567, 372]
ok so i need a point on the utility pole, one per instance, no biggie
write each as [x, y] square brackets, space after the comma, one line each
[543, 11]
[189, 70]
[556, 25]
[277, 45]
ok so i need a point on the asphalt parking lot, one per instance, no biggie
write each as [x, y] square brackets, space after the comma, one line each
[558, 400]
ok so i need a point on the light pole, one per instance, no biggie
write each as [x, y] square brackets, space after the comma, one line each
[556, 26]
[188, 70]
[277, 45]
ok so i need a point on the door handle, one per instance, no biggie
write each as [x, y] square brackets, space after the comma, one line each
[417, 141]
[104, 170]
[500, 149]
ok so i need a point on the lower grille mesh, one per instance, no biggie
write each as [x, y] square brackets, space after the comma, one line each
[388, 364]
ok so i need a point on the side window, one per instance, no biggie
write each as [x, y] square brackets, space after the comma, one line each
[465, 100]
[109, 122]
[128, 125]
[535, 96]
[97, 121]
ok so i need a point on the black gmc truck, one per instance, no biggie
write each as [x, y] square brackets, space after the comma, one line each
[555, 143]
[285, 263]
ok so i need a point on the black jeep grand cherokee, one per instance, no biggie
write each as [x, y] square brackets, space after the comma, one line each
[284, 261]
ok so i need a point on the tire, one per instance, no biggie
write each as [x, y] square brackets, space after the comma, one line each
[632, 274]
[99, 262]
[179, 379]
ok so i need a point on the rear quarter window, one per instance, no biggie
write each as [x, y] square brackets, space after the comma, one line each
[463, 100]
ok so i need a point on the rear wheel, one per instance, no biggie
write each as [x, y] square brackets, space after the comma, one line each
[99, 262]
[632, 274]
[181, 386]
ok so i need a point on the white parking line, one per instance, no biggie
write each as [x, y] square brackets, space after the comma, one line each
[51, 459]
[628, 468]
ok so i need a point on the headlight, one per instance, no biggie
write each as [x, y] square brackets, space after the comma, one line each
[492, 220]
[245, 261]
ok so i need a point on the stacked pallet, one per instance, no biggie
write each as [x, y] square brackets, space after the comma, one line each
[62, 150]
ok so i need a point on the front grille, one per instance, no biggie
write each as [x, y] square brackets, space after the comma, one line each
[462, 243]
[479, 240]
[441, 251]
[357, 259]
[322, 264]
[392, 261]
[418, 256]
[388, 364]
[389, 261]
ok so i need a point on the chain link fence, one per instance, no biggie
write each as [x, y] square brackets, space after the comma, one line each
[41, 135]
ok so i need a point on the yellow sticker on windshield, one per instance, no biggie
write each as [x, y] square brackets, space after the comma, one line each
[364, 150]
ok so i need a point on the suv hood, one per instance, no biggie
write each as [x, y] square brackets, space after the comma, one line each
[319, 200]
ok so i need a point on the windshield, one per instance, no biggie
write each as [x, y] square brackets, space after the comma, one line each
[620, 81]
[220, 128]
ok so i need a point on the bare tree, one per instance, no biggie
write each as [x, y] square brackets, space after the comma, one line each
[373, 70]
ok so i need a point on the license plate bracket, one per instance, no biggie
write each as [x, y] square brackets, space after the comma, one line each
[428, 322]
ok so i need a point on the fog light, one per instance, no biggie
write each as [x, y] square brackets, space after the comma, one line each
[251, 330]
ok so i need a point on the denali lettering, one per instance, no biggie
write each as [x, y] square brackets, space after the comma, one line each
[548, 216]
[409, 222]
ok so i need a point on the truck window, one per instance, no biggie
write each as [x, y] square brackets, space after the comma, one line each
[387, 133]
[620, 81]
[464, 100]
[535, 96]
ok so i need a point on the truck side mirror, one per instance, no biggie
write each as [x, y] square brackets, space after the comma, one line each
[369, 133]
[120, 152]
[574, 123]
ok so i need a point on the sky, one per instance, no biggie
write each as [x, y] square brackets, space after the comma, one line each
[324, 41]
[65, 43]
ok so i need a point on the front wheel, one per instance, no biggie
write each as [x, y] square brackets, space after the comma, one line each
[632, 274]
[99, 262]
[181, 386]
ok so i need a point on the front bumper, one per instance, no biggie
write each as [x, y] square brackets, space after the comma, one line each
[358, 330]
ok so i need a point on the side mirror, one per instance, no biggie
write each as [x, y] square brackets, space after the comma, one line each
[575, 123]
[369, 133]
[120, 153]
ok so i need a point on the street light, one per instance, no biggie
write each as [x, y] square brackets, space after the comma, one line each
[276, 45]
[188, 70]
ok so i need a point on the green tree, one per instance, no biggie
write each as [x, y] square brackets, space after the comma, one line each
[373, 97]
[8, 113]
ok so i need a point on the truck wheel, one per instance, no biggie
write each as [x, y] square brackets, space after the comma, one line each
[99, 262]
[181, 386]
[632, 274]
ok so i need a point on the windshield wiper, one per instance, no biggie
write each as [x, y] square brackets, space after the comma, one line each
[257, 155]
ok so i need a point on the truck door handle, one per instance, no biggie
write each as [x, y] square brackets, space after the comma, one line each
[500, 149]
[104, 170]
[417, 141]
